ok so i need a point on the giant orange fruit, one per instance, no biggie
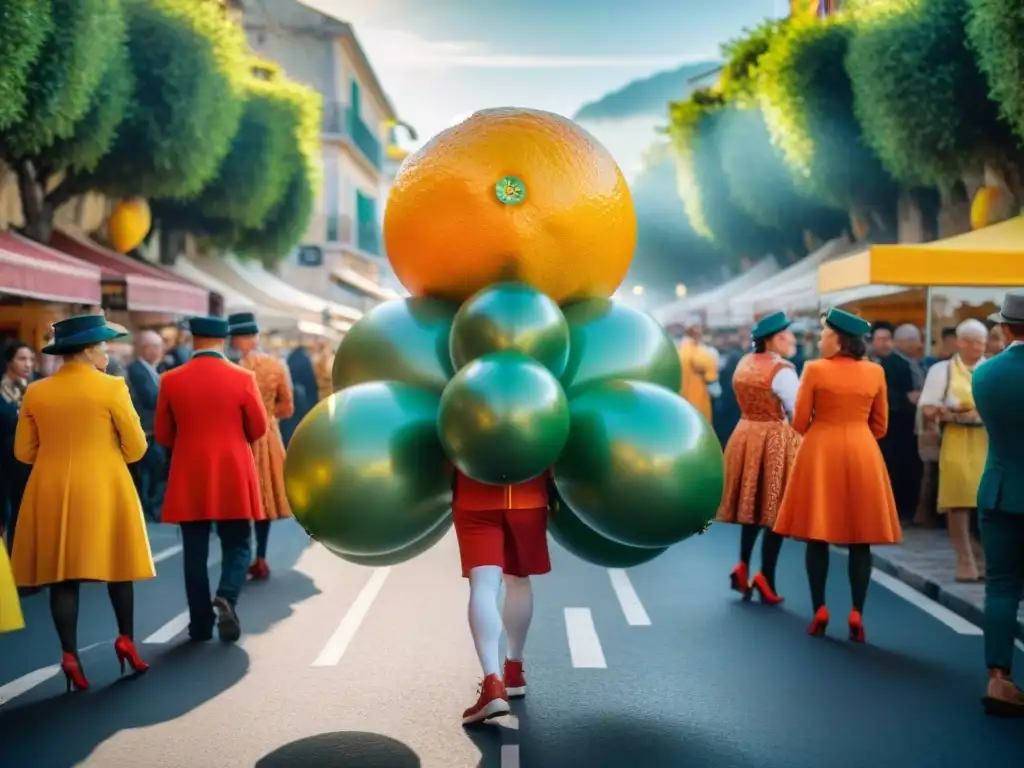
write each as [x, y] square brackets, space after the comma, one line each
[510, 194]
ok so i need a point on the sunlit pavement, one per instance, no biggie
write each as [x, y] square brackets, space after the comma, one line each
[347, 666]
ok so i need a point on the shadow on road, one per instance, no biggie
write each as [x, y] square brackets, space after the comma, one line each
[344, 749]
[62, 732]
[266, 603]
[488, 738]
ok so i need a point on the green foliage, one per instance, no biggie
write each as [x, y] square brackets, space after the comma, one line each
[995, 29]
[761, 183]
[84, 38]
[807, 99]
[190, 66]
[285, 225]
[24, 27]
[921, 100]
[94, 134]
[738, 81]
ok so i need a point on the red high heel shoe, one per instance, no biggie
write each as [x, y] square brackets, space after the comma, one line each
[259, 570]
[73, 673]
[739, 580]
[820, 623]
[126, 653]
[764, 589]
[856, 622]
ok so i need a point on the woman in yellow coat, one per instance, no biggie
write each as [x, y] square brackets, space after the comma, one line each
[81, 518]
[700, 369]
[10, 607]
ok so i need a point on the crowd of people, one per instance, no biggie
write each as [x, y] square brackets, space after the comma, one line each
[849, 452]
[95, 446]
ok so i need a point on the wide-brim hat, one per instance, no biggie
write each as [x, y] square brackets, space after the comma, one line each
[1012, 311]
[75, 333]
[209, 327]
[841, 321]
[243, 324]
[769, 325]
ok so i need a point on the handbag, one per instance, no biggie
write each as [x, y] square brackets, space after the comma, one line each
[929, 437]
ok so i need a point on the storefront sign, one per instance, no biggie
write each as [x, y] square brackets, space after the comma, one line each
[115, 296]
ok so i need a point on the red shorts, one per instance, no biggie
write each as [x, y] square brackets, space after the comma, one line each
[515, 540]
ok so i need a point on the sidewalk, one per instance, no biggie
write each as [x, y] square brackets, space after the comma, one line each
[925, 562]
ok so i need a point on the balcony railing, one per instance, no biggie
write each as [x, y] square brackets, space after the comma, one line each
[340, 120]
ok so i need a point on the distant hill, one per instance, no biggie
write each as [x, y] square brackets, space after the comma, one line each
[647, 96]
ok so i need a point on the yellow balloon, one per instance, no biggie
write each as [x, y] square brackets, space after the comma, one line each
[982, 207]
[129, 224]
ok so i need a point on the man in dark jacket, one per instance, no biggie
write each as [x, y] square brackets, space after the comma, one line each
[144, 384]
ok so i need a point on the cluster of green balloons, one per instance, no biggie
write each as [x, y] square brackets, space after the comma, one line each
[504, 388]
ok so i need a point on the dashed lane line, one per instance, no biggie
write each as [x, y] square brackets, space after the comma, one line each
[584, 644]
[628, 599]
[339, 641]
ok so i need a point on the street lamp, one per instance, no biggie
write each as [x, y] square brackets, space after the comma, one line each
[638, 290]
[680, 290]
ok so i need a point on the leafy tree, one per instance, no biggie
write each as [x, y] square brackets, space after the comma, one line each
[807, 100]
[190, 65]
[995, 29]
[696, 138]
[24, 27]
[921, 99]
[738, 81]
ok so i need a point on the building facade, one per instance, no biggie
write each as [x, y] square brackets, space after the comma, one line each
[342, 254]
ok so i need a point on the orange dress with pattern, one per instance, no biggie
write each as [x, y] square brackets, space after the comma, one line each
[275, 388]
[759, 455]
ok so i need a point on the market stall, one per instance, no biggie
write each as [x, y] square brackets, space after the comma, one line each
[700, 304]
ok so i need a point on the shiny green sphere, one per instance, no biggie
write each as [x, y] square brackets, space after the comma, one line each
[402, 340]
[579, 539]
[511, 317]
[404, 554]
[641, 466]
[610, 341]
[503, 419]
[365, 473]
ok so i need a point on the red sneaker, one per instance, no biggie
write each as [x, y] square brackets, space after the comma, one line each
[493, 702]
[515, 681]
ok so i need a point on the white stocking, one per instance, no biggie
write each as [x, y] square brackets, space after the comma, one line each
[484, 617]
[518, 612]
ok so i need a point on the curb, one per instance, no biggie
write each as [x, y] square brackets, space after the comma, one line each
[937, 592]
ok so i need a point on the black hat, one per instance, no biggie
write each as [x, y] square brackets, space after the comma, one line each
[208, 327]
[243, 324]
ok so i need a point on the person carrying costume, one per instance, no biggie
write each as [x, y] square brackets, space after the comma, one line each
[839, 490]
[997, 398]
[700, 369]
[275, 389]
[81, 519]
[759, 455]
[208, 413]
[502, 534]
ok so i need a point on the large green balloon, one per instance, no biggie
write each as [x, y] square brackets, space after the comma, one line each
[503, 419]
[404, 554]
[610, 341]
[402, 340]
[511, 317]
[365, 473]
[581, 540]
[642, 466]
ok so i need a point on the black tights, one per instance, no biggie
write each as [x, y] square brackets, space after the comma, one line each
[262, 528]
[859, 571]
[771, 544]
[64, 609]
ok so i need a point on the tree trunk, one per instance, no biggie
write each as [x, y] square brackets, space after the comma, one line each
[37, 210]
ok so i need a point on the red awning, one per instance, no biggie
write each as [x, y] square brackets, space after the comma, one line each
[148, 288]
[37, 272]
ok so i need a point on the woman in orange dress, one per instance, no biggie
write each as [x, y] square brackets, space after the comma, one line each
[275, 388]
[759, 455]
[839, 492]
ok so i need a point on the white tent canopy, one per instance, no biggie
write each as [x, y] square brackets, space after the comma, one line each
[952, 297]
[678, 311]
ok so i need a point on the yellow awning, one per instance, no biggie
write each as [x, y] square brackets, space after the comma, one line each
[993, 256]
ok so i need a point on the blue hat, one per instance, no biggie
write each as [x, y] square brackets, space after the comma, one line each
[76, 333]
[208, 327]
[844, 322]
[770, 325]
[243, 324]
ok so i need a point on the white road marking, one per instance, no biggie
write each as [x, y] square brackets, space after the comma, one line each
[584, 644]
[26, 683]
[509, 756]
[955, 622]
[162, 555]
[179, 623]
[1019, 644]
[338, 642]
[629, 600]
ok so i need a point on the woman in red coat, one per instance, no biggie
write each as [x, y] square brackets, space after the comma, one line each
[208, 414]
[502, 534]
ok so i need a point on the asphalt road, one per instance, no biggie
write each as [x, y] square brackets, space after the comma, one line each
[662, 667]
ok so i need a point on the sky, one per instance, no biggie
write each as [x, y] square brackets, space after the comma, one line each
[442, 60]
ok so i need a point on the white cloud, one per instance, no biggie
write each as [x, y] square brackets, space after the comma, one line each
[391, 48]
